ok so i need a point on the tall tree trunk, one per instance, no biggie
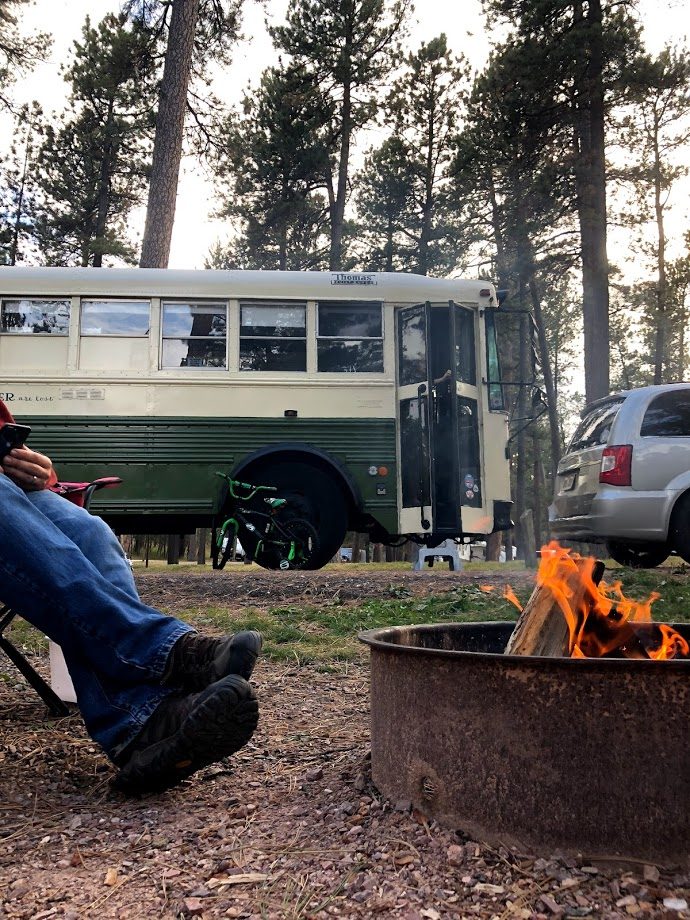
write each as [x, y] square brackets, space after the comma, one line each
[545, 360]
[528, 270]
[521, 464]
[536, 485]
[428, 208]
[338, 205]
[104, 190]
[167, 147]
[202, 536]
[173, 549]
[14, 248]
[661, 286]
[590, 176]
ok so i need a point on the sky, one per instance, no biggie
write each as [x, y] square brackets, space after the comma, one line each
[195, 230]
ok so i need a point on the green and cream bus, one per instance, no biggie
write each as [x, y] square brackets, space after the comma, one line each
[373, 400]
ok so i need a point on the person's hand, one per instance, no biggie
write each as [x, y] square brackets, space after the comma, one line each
[30, 470]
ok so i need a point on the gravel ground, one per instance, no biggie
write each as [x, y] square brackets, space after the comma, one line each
[291, 827]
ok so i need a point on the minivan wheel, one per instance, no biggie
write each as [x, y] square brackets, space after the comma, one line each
[679, 529]
[638, 555]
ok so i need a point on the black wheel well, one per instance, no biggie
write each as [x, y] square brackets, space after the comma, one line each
[681, 500]
[310, 456]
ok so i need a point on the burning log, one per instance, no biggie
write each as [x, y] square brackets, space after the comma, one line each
[573, 613]
[543, 626]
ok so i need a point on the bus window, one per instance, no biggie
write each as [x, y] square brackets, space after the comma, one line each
[194, 334]
[350, 336]
[493, 364]
[414, 453]
[273, 336]
[26, 317]
[470, 468]
[465, 362]
[412, 349]
[115, 317]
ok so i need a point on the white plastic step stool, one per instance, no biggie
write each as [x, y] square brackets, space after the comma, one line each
[448, 550]
[60, 680]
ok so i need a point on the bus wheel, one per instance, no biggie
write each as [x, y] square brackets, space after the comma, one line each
[312, 495]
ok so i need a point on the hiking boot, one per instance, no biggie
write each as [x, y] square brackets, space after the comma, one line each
[196, 661]
[186, 732]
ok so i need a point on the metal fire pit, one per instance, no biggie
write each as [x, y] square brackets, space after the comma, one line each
[588, 756]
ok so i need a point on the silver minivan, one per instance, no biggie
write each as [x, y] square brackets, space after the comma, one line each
[625, 477]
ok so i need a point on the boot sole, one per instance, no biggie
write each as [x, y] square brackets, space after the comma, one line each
[221, 722]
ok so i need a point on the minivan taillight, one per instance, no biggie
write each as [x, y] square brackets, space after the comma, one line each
[615, 465]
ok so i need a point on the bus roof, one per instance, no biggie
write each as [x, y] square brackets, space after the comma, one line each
[165, 282]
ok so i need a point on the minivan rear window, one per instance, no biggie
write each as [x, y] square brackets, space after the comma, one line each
[595, 427]
[667, 416]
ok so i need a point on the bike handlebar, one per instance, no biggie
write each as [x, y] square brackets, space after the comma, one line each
[251, 489]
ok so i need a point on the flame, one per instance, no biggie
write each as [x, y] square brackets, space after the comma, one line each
[509, 595]
[601, 620]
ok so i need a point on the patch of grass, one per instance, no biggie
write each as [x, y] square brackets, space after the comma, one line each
[672, 583]
[329, 633]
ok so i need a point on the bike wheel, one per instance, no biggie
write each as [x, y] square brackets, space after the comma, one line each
[222, 546]
[293, 546]
[314, 496]
[303, 542]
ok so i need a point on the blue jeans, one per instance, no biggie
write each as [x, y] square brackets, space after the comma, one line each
[64, 571]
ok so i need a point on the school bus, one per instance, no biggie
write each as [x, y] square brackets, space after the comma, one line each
[372, 399]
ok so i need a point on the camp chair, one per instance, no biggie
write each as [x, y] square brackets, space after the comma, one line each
[79, 493]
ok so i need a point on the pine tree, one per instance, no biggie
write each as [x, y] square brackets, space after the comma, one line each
[17, 186]
[196, 34]
[92, 165]
[385, 208]
[579, 49]
[272, 169]
[18, 53]
[347, 47]
[655, 132]
[425, 104]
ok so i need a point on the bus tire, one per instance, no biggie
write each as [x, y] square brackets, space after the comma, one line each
[312, 494]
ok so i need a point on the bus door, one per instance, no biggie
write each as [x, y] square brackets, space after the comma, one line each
[415, 445]
[438, 407]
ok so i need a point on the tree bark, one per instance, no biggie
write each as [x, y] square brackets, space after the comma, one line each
[167, 147]
[660, 337]
[202, 536]
[493, 546]
[549, 387]
[173, 549]
[521, 440]
[590, 177]
[338, 205]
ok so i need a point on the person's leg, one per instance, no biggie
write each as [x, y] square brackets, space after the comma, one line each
[115, 646]
[195, 661]
[91, 534]
[118, 653]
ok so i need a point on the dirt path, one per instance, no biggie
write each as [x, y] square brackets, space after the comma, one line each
[291, 827]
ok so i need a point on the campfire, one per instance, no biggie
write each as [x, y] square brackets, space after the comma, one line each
[573, 613]
[483, 726]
